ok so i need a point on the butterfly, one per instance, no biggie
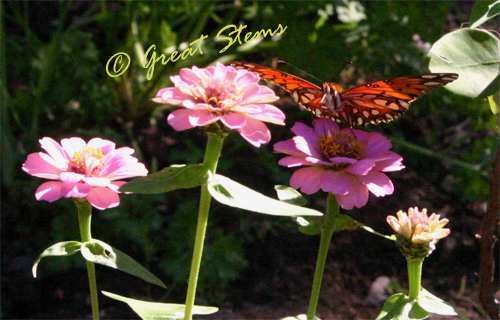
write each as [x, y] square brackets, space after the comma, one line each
[380, 101]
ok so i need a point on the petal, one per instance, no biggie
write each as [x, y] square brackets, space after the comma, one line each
[41, 165]
[388, 161]
[96, 181]
[287, 147]
[378, 183]
[49, 191]
[255, 132]
[105, 145]
[71, 177]
[377, 143]
[323, 125]
[75, 190]
[172, 96]
[293, 162]
[103, 198]
[234, 120]
[181, 119]
[55, 150]
[357, 197]
[361, 167]
[336, 182]
[309, 135]
[73, 145]
[307, 179]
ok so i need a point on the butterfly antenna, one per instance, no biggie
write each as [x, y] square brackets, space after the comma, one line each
[291, 65]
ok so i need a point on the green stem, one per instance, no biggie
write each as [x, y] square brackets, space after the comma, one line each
[332, 210]
[84, 218]
[415, 276]
[212, 153]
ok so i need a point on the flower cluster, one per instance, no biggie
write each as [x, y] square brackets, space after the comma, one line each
[346, 162]
[83, 170]
[222, 93]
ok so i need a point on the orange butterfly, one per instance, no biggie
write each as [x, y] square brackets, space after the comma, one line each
[380, 101]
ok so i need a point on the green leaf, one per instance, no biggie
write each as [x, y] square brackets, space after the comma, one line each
[66, 248]
[433, 304]
[290, 195]
[156, 311]
[169, 179]
[399, 307]
[233, 194]
[472, 53]
[309, 225]
[482, 11]
[102, 253]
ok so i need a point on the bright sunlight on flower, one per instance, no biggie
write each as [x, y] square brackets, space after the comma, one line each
[417, 227]
[344, 162]
[222, 93]
[83, 170]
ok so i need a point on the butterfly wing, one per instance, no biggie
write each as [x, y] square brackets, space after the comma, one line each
[305, 93]
[386, 100]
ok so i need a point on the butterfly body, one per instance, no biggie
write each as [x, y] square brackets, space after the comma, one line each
[380, 101]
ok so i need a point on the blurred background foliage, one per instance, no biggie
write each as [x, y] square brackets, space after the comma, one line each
[54, 84]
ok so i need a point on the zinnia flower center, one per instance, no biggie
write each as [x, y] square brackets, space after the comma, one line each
[341, 144]
[218, 91]
[89, 162]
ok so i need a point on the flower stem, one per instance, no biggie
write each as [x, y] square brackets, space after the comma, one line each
[415, 276]
[332, 210]
[84, 218]
[212, 153]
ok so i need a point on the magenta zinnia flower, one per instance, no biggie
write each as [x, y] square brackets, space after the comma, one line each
[222, 93]
[83, 170]
[347, 162]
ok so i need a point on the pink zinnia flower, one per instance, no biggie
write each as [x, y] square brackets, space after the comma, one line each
[344, 162]
[222, 93]
[417, 227]
[83, 170]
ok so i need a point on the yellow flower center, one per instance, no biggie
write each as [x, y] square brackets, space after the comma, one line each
[88, 162]
[341, 144]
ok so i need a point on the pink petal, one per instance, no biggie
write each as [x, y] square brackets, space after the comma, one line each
[308, 134]
[307, 179]
[293, 162]
[287, 147]
[361, 167]
[71, 177]
[234, 120]
[49, 191]
[105, 145]
[266, 113]
[73, 145]
[378, 183]
[357, 196]
[75, 190]
[55, 150]
[335, 182]
[103, 198]
[255, 132]
[377, 143]
[171, 96]
[388, 161]
[180, 119]
[41, 165]
[96, 181]
[323, 125]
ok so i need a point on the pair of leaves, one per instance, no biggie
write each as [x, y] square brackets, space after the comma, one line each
[222, 189]
[399, 307]
[97, 251]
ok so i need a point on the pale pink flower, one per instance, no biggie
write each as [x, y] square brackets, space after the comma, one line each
[83, 170]
[222, 93]
[417, 227]
[347, 162]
